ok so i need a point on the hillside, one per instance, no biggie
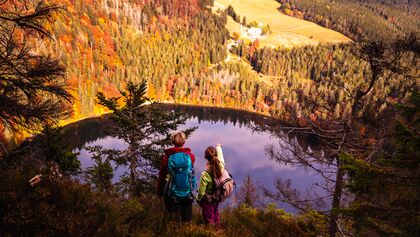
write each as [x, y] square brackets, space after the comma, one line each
[103, 44]
[181, 51]
[285, 30]
[339, 146]
[379, 20]
[73, 209]
[178, 48]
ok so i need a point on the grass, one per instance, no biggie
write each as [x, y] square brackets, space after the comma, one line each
[286, 31]
[60, 206]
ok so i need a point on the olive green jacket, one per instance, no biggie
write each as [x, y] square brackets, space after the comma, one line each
[206, 181]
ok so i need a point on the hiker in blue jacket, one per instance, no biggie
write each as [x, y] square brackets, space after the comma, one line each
[176, 178]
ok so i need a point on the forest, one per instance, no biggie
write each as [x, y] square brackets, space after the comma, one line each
[357, 104]
[143, 40]
[323, 73]
[358, 19]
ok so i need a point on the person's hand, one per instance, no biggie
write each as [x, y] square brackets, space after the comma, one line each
[200, 202]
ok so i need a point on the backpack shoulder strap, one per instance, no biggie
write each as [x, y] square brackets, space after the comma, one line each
[211, 176]
[208, 173]
[169, 165]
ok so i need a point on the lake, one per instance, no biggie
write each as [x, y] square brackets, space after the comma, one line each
[244, 148]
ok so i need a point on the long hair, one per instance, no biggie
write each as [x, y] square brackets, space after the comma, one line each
[215, 167]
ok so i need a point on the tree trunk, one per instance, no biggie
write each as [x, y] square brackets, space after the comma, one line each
[133, 167]
[332, 227]
[132, 176]
[116, 6]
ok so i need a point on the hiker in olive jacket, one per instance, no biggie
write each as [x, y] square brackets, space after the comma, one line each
[214, 167]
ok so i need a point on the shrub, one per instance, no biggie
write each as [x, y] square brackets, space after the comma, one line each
[253, 24]
[54, 207]
[60, 206]
[245, 221]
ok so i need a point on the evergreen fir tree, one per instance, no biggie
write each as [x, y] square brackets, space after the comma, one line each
[145, 129]
[387, 189]
[101, 173]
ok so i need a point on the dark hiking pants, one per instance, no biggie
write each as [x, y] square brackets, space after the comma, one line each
[210, 212]
[175, 205]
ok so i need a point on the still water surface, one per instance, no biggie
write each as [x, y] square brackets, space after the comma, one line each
[244, 148]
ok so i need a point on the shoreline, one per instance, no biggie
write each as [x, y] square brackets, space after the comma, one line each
[170, 103]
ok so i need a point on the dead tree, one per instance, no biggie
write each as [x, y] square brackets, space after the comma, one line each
[359, 131]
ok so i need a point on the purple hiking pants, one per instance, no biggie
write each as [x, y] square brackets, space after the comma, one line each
[210, 212]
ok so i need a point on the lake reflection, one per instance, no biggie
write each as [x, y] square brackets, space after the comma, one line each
[243, 148]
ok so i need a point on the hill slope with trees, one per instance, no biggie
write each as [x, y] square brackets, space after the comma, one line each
[376, 20]
[357, 103]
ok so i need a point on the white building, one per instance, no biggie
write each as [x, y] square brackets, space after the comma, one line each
[251, 33]
[254, 33]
